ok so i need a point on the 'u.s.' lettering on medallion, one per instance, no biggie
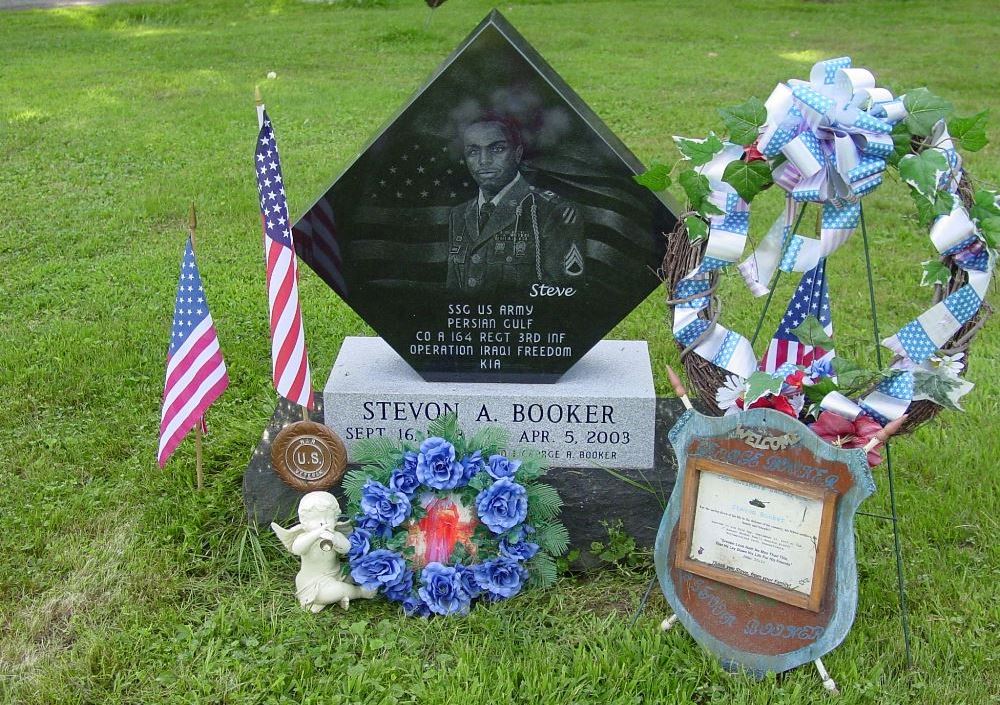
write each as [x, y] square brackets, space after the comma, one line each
[308, 456]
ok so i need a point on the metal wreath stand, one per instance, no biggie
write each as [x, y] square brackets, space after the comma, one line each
[682, 256]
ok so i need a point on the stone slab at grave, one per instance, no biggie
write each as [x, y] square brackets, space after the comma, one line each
[492, 231]
[755, 551]
[492, 234]
[601, 412]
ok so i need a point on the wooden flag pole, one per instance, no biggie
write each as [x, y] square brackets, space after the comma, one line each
[679, 390]
[198, 468]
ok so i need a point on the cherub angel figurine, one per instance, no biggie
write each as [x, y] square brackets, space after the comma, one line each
[317, 540]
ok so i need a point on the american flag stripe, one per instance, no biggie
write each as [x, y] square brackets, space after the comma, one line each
[289, 360]
[811, 298]
[196, 373]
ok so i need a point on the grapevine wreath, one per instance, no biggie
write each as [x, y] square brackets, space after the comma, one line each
[446, 520]
[827, 142]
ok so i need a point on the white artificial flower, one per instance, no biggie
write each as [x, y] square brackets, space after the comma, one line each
[949, 365]
[728, 393]
[272, 75]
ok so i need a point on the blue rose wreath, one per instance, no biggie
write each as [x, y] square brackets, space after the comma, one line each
[446, 520]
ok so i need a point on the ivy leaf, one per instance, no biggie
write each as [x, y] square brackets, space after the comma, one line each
[699, 151]
[989, 228]
[924, 110]
[697, 190]
[935, 272]
[810, 332]
[816, 392]
[697, 229]
[921, 170]
[761, 384]
[850, 375]
[901, 142]
[970, 131]
[748, 178]
[940, 388]
[656, 178]
[927, 210]
[984, 205]
[744, 120]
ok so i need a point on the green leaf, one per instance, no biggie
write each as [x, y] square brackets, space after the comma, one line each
[921, 170]
[543, 502]
[761, 384]
[490, 440]
[924, 110]
[446, 427]
[810, 332]
[935, 272]
[553, 538]
[901, 142]
[748, 178]
[542, 571]
[939, 388]
[928, 211]
[970, 131]
[697, 228]
[984, 205]
[989, 229]
[655, 178]
[744, 120]
[816, 392]
[850, 375]
[352, 483]
[699, 151]
[380, 451]
[697, 189]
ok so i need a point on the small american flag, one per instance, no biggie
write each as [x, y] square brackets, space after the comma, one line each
[289, 361]
[811, 298]
[196, 372]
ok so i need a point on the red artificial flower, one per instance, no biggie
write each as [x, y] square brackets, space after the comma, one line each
[795, 379]
[844, 433]
[752, 154]
[772, 401]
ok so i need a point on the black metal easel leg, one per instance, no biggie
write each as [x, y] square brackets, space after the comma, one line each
[900, 580]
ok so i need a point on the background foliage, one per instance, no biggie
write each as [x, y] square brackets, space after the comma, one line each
[119, 585]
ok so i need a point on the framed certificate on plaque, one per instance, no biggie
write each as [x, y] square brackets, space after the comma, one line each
[756, 532]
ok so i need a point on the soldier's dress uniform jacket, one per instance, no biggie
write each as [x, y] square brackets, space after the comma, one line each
[532, 236]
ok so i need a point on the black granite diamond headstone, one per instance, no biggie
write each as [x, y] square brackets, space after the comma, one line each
[493, 231]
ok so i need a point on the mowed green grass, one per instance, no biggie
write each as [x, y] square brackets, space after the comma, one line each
[120, 584]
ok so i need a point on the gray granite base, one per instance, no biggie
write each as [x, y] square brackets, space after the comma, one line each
[590, 495]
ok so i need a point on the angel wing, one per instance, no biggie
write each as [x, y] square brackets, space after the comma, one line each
[287, 536]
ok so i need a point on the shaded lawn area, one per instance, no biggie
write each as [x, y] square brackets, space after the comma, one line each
[118, 584]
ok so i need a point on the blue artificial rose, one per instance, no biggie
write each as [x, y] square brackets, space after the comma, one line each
[500, 578]
[436, 465]
[373, 526]
[413, 606]
[502, 466]
[471, 464]
[442, 590]
[388, 506]
[503, 505]
[404, 478]
[360, 541]
[467, 577]
[820, 368]
[378, 569]
[402, 588]
[519, 550]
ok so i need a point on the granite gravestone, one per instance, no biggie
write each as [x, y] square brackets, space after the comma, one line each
[492, 232]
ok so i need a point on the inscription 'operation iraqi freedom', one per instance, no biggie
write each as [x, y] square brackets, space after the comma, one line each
[493, 232]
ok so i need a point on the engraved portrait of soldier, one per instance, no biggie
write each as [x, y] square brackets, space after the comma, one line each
[512, 234]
